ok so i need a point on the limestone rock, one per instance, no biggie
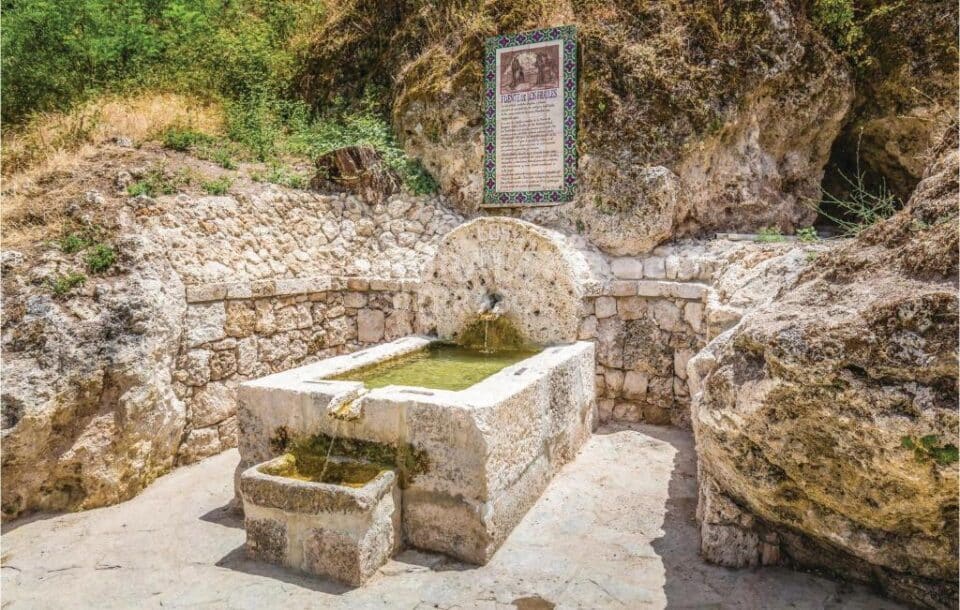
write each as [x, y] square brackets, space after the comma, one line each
[89, 412]
[809, 413]
[717, 136]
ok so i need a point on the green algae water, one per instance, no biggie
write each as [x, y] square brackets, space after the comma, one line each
[319, 470]
[439, 367]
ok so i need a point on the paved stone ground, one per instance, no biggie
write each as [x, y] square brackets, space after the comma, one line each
[615, 529]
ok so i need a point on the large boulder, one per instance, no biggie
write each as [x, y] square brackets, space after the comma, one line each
[826, 420]
[694, 116]
[89, 413]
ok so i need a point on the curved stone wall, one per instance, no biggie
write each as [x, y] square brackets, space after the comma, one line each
[532, 276]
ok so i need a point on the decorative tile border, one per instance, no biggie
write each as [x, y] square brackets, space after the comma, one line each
[491, 197]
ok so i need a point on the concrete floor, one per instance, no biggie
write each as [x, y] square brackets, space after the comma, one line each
[615, 529]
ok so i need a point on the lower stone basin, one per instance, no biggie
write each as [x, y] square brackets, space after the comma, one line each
[343, 529]
[470, 461]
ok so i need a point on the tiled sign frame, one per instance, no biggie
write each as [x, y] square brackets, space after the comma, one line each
[491, 197]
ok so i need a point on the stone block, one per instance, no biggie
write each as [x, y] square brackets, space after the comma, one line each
[355, 300]
[241, 318]
[212, 404]
[336, 531]
[623, 288]
[398, 324]
[223, 364]
[370, 325]
[613, 381]
[687, 269]
[246, 355]
[631, 308]
[198, 445]
[193, 367]
[671, 265]
[604, 307]
[693, 315]
[199, 293]
[680, 359]
[654, 268]
[627, 268]
[588, 328]
[266, 323]
[204, 323]
[634, 385]
[667, 315]
[293, 317]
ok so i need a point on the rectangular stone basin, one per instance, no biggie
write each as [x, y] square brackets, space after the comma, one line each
[344, 529]
[470, 461]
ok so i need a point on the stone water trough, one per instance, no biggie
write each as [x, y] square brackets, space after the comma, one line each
[418, 442]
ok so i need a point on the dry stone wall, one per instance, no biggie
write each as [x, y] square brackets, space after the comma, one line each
[241, 331]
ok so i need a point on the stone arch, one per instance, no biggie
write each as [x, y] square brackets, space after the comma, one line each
[535, 276]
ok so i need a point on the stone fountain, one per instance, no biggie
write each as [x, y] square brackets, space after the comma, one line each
[344, 461]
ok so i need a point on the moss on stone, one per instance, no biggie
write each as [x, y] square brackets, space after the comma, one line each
[309, 454]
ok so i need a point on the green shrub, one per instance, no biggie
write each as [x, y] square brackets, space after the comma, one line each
[222, 158]
[100, 258]
[928, 448]
[156, 181]
[185, 139]
[62, 285]
[808, 235]
[218, 186]
[861, 207]
[74, 242]
[769, 235]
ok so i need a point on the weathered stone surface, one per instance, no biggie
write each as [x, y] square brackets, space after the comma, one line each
[204, 323]
[370, 325]
[330, 530]
[90, 416]
[513, 431]
[738, 145]
[212, 404]
[534, 278]
[199, 444]
[806, 411]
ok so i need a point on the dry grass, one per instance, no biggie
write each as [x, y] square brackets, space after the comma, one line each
[40, 158]
[52, 140]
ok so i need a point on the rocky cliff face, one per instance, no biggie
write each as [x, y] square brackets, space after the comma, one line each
[693, 116]
[826, 420]
[904, 63]
[89, 415]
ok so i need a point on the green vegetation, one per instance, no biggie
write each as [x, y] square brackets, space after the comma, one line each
[928, 448]
[278, 174]
[218, 186]
[157, 181]
[100, 258]
[244, 54]
[808, 235]
[769, 235]
[848, 26]
[861, 207]
[74, 242]
[310, 453]
[62, 285]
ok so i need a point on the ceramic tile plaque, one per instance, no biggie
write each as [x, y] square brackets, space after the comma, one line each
[530, 118]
